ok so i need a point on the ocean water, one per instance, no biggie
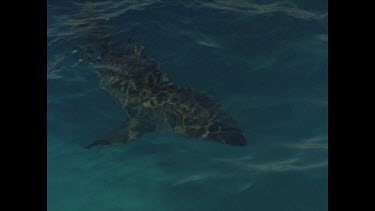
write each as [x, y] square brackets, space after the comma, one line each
[264, 60]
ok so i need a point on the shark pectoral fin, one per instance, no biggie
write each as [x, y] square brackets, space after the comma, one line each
[117, 136]
[129, 131]
[98, 143]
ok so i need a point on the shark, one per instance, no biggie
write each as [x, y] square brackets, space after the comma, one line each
[151, 100]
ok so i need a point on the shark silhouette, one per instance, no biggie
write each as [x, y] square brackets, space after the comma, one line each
[151, 100]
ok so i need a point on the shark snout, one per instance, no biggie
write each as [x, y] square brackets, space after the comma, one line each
[229, 135]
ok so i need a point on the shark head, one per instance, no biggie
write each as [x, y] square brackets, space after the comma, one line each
[227, 135]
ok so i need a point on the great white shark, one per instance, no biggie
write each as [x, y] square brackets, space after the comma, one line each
[150, 98]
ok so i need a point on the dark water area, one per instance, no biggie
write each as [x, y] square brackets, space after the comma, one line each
[264, 61]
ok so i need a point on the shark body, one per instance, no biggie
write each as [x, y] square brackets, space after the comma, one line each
[152, 101]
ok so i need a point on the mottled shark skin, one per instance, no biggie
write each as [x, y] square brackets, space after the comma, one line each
[152, 101]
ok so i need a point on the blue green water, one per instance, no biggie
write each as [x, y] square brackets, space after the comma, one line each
[266, 63]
